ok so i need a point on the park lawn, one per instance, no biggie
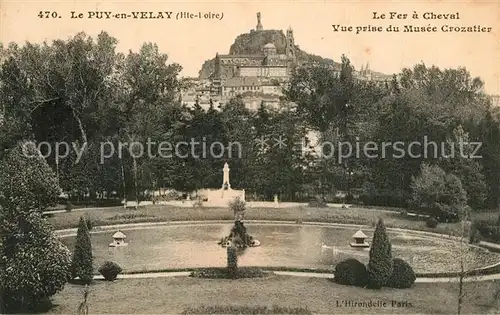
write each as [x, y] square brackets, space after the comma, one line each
[175, 295]
[160, 213]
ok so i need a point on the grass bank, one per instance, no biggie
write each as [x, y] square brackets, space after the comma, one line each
[320, 296]
[363, 216]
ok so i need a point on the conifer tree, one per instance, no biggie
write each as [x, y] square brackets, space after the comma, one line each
[380, 264]
[232, 261]
[82, 256]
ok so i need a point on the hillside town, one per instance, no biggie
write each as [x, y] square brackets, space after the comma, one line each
[258, 78]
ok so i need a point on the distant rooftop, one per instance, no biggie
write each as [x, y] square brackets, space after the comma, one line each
[254, 56]
[242, 81]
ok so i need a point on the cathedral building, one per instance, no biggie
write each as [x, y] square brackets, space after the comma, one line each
[266, 64]
[258, 76]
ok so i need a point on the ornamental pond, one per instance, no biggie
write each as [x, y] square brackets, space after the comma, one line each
[282, 245]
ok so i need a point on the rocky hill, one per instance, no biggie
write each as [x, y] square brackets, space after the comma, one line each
[252, 43]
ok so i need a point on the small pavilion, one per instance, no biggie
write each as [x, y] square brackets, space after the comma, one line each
[118, 239]
[360, 240]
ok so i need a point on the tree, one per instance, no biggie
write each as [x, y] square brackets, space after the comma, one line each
[341, 109]
[489, 135]
[59, 91]
[439, 194]
[82, 265]
[427, 102]
[34, 264]
[274, 167]
[460, 162]
[28, 181]
[146, 87]
[380, 263]
[465, 260]
[83, 308]
[321, 94]
[69, 78]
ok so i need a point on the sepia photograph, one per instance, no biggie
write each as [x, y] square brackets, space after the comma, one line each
[249, 157]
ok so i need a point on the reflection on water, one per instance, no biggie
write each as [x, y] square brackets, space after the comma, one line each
[282, 245]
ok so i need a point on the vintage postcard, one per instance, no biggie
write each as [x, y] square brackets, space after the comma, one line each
[249, 157]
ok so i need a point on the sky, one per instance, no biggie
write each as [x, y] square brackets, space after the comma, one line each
[190, 42]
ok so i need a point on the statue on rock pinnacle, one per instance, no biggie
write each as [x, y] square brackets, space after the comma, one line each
[259, 24]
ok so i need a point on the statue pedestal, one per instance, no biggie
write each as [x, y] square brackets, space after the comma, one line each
[222, 197]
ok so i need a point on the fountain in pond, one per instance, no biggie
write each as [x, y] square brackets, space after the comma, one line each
[239, 237]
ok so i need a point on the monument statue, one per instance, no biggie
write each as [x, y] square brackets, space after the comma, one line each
[259, 24]
[221, 197]
[225, 178]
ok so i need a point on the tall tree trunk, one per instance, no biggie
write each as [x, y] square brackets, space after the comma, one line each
[124, 185]
[463, 272]
[57, 171]
[83, 134]
[460, 294]
[135, 183]
[2, 301]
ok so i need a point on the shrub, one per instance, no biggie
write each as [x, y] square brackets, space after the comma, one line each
[380, 263]
[69, 206]
[35, 264]
[487, 229]
[317, 203]
[475, 236]
[404, 213]
[110, 270]
[198, 203]
[402, 276]
[47, 215]
[129, 216]
[82, 266]
[349, 198]
[431, 223]
[238, 207]
[38, 267]
[223, 273]
[27, 182]
[351, 272]
[90, 224]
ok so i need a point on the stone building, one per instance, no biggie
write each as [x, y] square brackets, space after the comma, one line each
[365, 73]
[266, 64]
